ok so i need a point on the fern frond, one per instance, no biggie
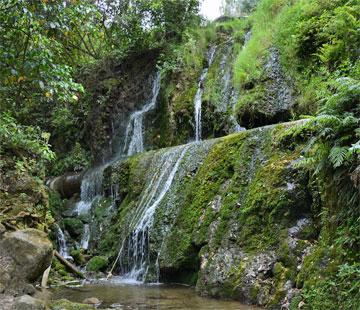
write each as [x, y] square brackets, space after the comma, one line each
[338, 155]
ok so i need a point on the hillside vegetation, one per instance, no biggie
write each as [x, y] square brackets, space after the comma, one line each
[71, 73]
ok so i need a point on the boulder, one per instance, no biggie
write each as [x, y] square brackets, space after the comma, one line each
[66, 185]
[27, 302]
[92, 301]
[24, 255]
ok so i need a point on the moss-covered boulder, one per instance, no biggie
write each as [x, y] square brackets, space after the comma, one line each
[97, 263]
[74, 226]
[64, 304]
[235, 220]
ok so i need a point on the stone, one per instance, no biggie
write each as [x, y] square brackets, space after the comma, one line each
[92, 301]
[2, 230]
[27, 302]
[24, 255]
[7, 302]
[29, 289]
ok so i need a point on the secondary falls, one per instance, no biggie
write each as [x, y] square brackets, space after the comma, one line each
[199, 93]
[86, 237]
[134, 132]
[133, 255]
[91, 185]
[155, 210]
[91, 188]
[61, 240]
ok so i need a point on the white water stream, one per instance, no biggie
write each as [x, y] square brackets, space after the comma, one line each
[61, 240]
[134, 252]
[134, 131]
[91, 185]
[86, 237]
[199, 93]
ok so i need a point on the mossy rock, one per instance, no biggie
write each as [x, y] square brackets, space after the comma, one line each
[64, 304]
[78, 256]
[74, 226]
[97, 263]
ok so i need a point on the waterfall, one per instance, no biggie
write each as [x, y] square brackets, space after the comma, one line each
[233, 97]
[91, 185]
[85, 237]
[199, 93]
[61, 241]
[91, 188]
[134, 132]
[134, 252]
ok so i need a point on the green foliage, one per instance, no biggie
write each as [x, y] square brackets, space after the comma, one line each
[33, 68]
[76, 160]
[27, 145]
[141, 25]
[249, 63]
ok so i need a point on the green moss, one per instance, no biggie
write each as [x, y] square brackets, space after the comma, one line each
[74, 226]
[97, 263]
[64, 304]
[78, 256]
[254, 291]
[59, 273]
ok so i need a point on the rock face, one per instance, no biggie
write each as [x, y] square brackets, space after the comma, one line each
[24, 255]
[234, 222]
[66, 185]
[269, 100]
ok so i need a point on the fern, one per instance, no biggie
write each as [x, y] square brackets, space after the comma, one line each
[338, 156]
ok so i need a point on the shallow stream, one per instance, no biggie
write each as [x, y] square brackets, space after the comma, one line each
[131, 297]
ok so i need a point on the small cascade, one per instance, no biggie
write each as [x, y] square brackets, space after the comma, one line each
[230, 94]
[85, 237]
[61, 241]
[134, 132]
[91, 185]
[133, 256]
[199, 93]
[236, 126]
[91, 188]
[247, 38]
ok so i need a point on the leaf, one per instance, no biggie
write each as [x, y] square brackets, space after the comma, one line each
[338, 155]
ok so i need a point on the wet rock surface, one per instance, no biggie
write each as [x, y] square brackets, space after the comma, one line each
[274, 100]
[233, 223]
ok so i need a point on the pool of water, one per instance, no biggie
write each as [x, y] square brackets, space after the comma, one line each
[138, 296]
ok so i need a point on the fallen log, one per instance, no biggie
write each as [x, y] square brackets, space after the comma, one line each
[69, 265]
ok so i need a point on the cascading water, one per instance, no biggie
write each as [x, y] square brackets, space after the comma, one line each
[91, 185]
[134, 252]
[199, 93]
[61, 241]
[91, 188]
[134, 131]
[86, 237]
[230, 94]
